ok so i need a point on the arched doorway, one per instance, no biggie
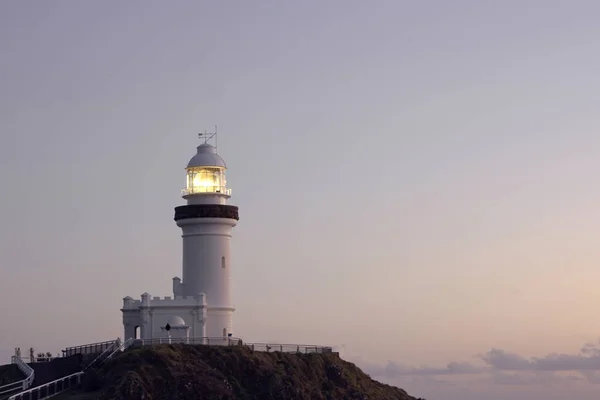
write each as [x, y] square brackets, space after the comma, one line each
[136, 332]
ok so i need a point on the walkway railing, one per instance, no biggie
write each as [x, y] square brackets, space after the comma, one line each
[49, 389]
[58, 386]
[22, 384]
[92, 348]
[105, 354]
[216, 341]
[120, 347]
[289, 348]
[230, 341]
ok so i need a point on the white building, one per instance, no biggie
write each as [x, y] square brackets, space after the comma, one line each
[201, 305]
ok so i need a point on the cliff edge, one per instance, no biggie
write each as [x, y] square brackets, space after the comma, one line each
[182, 372]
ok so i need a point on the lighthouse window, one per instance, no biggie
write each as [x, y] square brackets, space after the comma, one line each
[222, 262]
[205, 180]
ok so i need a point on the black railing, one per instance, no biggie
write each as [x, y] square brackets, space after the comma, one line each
[92, 348]
[231, 341]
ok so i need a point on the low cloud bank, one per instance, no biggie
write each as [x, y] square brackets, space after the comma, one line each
[588, 359]
[507, 368]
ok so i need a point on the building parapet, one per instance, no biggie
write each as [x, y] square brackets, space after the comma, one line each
[157, 301]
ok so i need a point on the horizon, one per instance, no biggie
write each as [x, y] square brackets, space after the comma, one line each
[414, 181]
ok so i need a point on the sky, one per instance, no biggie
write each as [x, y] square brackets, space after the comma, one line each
[417, 180]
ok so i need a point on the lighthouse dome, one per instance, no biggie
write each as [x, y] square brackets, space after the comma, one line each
[206, 157]
[176, 320]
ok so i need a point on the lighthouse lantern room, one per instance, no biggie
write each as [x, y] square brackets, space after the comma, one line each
[206, 173]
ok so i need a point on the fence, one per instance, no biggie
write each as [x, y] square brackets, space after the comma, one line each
[93, 348]
[22, 384]
[209, 341]
[230, 341]
[49, 389]
[106, 354]
[55, 387]
[289, 348]
[119, 348]
[40, 359]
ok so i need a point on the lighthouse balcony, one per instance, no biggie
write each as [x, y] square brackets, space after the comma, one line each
[206, 190]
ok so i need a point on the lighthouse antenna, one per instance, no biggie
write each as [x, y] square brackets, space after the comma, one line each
[206, 136]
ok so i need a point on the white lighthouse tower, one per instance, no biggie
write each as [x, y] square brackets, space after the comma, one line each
[207, 222]
[202, 305]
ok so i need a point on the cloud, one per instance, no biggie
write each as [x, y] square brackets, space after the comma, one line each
[453, 368]
[544, 378]
[502, 360]
[392, 369]
[504, 368]
[502, 378]
[591, 376]
[588, 359]
[498, 375]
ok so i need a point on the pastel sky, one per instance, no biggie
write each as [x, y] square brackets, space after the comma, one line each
[417, 180]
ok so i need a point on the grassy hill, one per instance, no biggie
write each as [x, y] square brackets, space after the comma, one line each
[170, 372]
[10, 373]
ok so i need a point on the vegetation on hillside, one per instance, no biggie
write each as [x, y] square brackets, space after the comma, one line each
[10, 373]
[169, 372]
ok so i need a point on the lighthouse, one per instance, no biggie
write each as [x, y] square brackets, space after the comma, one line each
[206, 222]
[202, 304]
